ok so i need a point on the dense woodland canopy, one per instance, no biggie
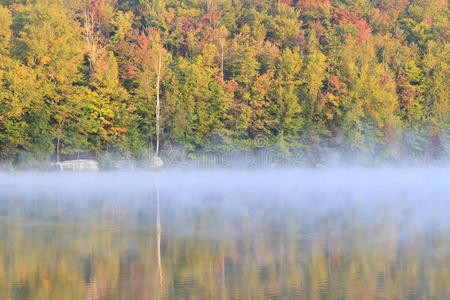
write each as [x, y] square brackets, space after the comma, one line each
[135, 78]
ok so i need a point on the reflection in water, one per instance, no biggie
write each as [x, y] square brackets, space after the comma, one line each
[158, 230]
[226, 235]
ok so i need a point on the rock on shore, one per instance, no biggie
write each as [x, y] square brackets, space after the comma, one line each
[77, 165]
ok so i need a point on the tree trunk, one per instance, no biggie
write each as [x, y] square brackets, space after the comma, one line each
[92, 41]
[221, 59]
[158, 80]
[58, 139]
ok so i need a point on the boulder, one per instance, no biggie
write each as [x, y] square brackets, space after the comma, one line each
[156, 162]
[124, 165]
[77, 165]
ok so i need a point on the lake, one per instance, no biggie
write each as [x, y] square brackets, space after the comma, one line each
[231, 234]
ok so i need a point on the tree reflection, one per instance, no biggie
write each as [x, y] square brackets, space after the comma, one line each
[158, 238]
[215, 249]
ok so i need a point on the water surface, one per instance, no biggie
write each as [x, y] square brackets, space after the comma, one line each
[310, 234]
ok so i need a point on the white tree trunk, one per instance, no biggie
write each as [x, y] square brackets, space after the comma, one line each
[158, 107]
[92, 40]
[221, 59]
[58, 139]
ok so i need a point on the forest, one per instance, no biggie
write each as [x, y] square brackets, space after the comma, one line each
[310, 79]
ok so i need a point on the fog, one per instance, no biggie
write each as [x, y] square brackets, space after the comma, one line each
[423, 192]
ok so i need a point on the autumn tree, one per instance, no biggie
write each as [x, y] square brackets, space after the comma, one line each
[109, 110]
[201, 104]
[371, 116]
[51, 45]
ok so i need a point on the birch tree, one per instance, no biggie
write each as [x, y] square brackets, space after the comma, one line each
[149, 67]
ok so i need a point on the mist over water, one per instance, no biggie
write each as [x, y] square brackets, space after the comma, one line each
[225, 234]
